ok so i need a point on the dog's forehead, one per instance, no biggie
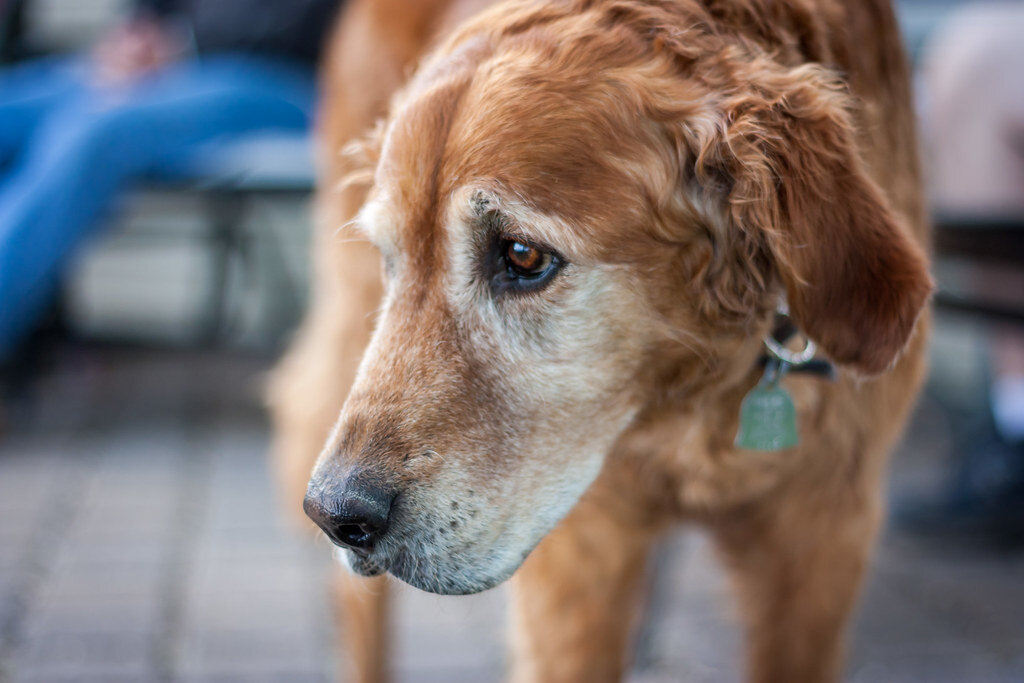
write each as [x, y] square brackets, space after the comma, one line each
[410, 170]
[408, 178]
[546, 146]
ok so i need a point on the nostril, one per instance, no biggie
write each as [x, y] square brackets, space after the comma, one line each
[358, 533]
[359, 536]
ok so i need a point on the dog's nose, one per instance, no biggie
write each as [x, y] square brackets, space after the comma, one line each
[356, 518]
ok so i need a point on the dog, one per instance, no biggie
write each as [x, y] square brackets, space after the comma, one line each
[562, 248]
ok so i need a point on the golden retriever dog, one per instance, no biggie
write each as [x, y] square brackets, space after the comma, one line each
[554, 235]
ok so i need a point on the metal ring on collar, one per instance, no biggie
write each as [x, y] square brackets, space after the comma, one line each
[790, 357]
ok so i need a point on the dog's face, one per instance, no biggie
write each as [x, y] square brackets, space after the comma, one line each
[505, 359]
[561, 216]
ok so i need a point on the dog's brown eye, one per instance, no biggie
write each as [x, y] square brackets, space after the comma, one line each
[527, 261]
[515, 266]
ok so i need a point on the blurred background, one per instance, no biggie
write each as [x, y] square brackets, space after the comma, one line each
[140, 539]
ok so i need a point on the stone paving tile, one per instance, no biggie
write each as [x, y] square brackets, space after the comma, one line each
[440, 633]
[105, 584]
[947, 662]
[63, 653]
[14, 548]
[78, 676]
[271, 612]
[691, 631]
[11, 601]
[968, 602]
[449, 674]
[100, 614]
[252, 651]
[127, 522]
[890, 624]
[143, 552]
[253, 577]
[252, 545]
[287, 676]
[231, 513]
[24, 489]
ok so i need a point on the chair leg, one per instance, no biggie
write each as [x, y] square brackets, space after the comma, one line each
[226, 213]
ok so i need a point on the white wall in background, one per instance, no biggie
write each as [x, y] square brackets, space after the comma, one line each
[71, 24]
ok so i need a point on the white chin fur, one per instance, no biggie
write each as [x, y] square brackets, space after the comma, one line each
[341, 556]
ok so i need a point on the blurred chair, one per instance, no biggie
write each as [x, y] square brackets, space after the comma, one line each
[12, 30]
[980, 241]
[227, 178]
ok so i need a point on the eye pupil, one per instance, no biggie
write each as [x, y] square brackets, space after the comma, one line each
[526, 260]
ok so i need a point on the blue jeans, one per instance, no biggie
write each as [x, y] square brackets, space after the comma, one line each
[68, 148]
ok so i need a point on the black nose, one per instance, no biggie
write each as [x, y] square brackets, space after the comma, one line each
[355, 516]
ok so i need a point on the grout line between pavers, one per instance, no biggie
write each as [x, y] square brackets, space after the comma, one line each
[191, 501]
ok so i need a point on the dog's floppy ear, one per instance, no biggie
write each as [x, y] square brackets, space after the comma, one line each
[794, 183]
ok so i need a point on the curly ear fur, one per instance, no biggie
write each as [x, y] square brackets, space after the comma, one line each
[781, 163]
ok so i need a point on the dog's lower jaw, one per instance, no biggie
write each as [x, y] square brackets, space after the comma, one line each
[422, 573]
[358, 564]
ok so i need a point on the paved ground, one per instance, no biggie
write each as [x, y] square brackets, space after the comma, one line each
[139, 541]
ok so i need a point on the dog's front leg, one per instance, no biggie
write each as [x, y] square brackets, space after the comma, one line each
[797, 561]
[364, 615]
[576, 599]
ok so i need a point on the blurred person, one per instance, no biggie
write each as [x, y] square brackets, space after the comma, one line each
[173, 76]
[973, 129]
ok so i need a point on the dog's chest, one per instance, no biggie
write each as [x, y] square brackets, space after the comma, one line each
[688, 460]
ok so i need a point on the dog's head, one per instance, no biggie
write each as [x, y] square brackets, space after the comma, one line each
[575, 211]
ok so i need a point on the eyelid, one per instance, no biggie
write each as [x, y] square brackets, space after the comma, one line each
[516, 236]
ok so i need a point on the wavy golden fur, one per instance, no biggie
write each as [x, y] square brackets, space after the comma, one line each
[693, 162]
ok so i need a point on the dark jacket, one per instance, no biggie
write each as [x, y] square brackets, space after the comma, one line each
[292, 29]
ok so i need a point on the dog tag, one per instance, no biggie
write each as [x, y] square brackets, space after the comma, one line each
[767, 416]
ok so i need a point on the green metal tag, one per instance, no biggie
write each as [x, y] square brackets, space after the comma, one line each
[767, 419]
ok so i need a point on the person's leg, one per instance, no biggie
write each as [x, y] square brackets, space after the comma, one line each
[88, 150]
[218, 99]
[28, 92]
